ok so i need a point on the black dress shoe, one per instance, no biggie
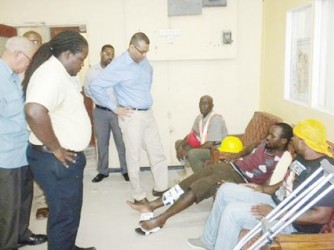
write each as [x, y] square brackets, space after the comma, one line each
[34, 239]
[85, 248]
[126, 176]
[99, 177]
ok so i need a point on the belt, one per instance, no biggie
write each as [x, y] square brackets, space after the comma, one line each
[131, 108]
[103, 108]
[45, 149]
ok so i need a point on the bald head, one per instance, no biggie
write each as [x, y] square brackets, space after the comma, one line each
[205, 105]
[18, 53]
[19, 43]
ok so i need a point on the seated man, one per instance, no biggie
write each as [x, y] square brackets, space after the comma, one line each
[209, 129]
[255, 166]
[238, 207]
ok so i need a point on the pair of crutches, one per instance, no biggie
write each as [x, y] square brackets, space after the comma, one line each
[298, 202]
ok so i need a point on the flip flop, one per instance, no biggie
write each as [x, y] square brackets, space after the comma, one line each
[146, 217]
[142, 231]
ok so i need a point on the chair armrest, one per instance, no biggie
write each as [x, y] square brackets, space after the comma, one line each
[216, 156]
[303, 241]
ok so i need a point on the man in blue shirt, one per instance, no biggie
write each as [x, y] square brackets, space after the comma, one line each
[130, 75]
[16, 182]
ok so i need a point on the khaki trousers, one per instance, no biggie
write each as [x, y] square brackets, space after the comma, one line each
[140, 131]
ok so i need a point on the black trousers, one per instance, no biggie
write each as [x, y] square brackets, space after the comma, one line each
[16, 192]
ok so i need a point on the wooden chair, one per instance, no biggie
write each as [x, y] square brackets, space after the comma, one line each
[303, 241]
[256, 130]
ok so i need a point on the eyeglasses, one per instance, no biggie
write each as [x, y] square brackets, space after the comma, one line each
[26, 56]
[141, 52]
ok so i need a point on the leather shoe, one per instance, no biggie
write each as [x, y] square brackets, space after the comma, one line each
[158, 193]
[42, 213]
[99, 177]
[34, 239]
[143, 201]
[85, 248]
[126, 176]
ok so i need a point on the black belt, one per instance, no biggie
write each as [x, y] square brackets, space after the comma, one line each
[45, 149]
[103, 108]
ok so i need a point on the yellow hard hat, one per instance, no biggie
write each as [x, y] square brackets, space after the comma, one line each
[231, 144]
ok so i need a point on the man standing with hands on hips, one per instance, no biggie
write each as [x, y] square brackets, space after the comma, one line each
[130, 75]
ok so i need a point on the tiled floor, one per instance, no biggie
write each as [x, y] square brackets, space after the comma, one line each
[108, 223]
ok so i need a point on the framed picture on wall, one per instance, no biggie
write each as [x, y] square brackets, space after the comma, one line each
[298, 55]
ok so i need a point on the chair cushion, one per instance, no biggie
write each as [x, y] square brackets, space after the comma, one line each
[258, 127]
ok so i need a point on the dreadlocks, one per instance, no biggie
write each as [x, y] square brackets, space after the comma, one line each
[65, 41]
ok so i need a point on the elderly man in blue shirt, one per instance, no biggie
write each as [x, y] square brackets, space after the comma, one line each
[16, 182]
[130, 75]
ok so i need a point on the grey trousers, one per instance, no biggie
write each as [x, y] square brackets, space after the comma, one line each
[16, 191]
[106, 122]
[196, 156]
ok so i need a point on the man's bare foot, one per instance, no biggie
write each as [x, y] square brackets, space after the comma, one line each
[140, 207]
[152, 223]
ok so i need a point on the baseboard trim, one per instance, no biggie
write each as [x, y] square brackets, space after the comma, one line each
[142, 169]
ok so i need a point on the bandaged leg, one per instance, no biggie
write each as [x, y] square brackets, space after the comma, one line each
[172, 195]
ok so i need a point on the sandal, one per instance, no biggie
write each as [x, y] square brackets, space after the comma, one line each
[146, 217]
[142, 231]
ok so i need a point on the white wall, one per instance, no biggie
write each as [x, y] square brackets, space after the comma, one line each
[186, 67]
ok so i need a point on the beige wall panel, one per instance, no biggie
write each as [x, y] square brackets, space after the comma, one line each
[272, 82]
[194, 64]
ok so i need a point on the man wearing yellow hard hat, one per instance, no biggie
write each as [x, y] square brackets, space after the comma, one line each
[239, 207]
[254, 165]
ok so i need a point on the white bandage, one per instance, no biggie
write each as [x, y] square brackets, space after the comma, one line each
[146, 216]
[172, 195]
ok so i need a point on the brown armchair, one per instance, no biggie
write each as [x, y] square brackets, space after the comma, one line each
[256, 130]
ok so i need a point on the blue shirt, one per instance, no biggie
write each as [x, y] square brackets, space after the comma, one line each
[13, 127]
[131, 82]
